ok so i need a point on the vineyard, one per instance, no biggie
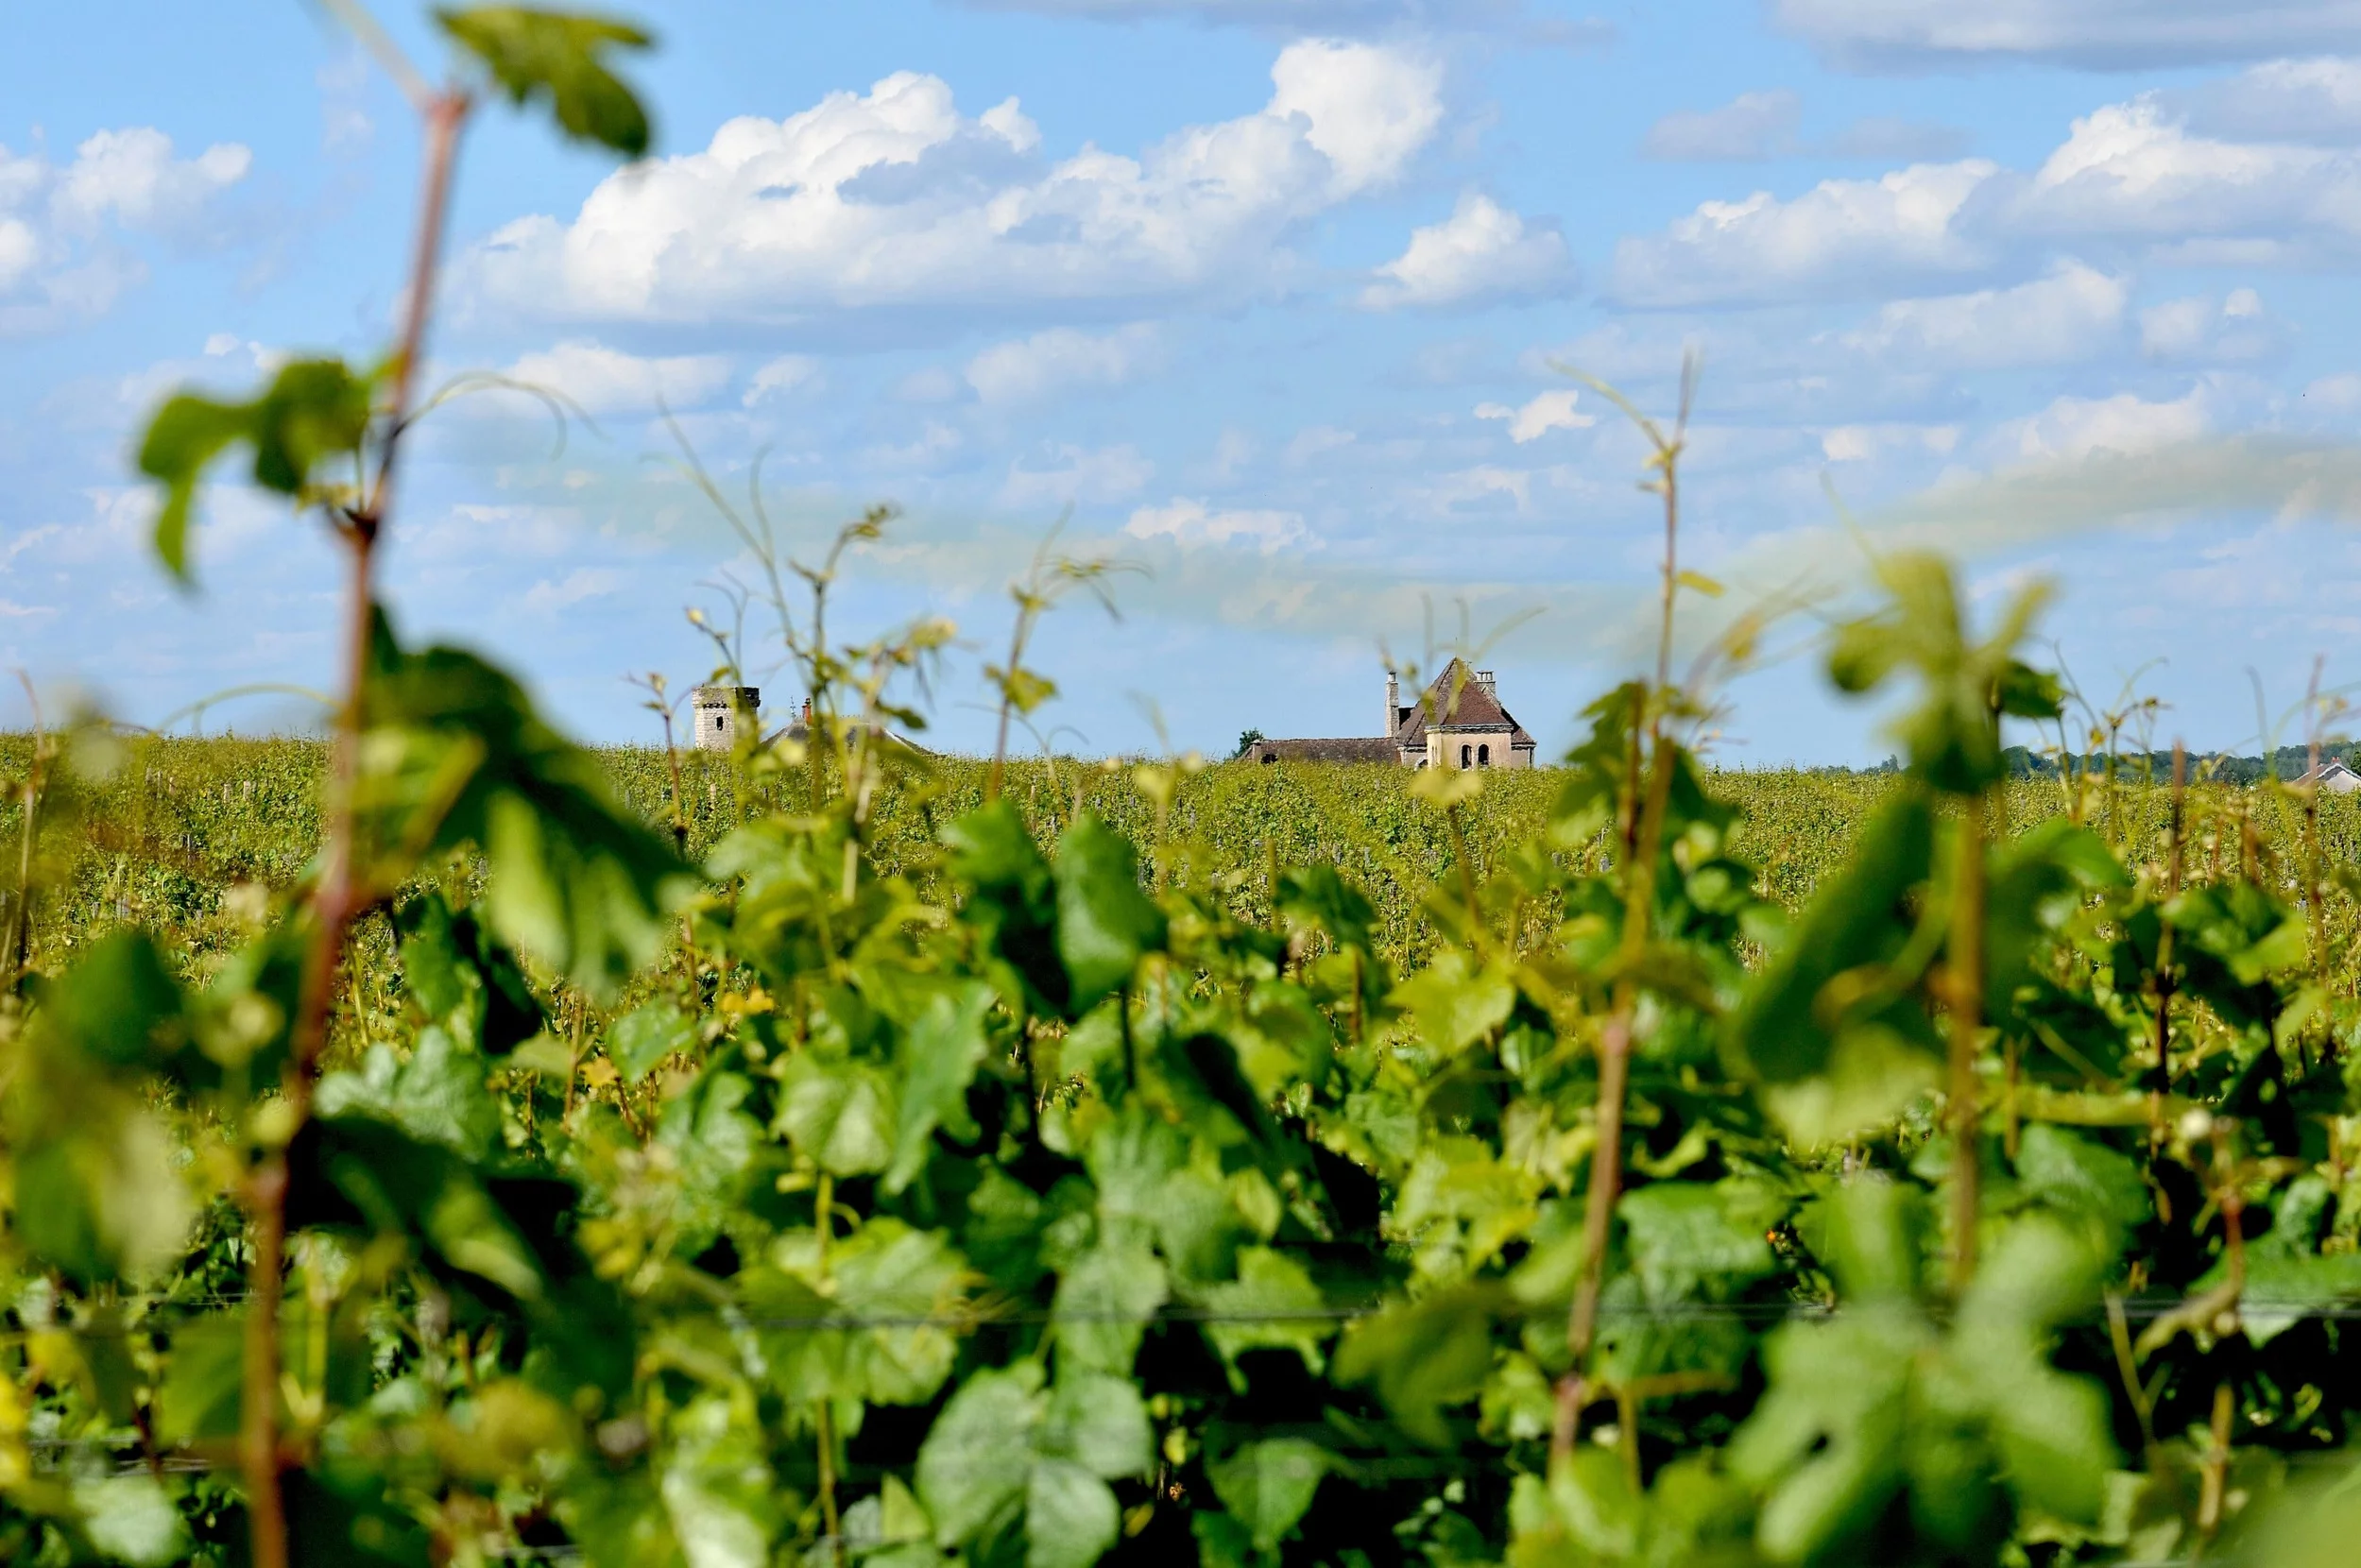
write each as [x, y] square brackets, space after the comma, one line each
[1334, 1295]
[161, 831]
[447, 1144]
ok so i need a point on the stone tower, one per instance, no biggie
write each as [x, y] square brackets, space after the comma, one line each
[722, 712]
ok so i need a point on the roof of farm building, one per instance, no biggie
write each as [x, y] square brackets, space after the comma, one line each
[1460, 700]
[1457, 700]
[1350, 748]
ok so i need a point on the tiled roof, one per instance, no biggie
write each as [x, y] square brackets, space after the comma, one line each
[1355, 748]
[1457, 700]
[2332, 776]
[1461, 702]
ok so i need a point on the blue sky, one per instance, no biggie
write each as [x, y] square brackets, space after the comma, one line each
[1272, 298]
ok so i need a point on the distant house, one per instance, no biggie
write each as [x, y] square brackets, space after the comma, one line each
[722, 712]
[2332, 776]
[1456, 722]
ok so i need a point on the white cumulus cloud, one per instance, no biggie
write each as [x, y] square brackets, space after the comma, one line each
[2070, 314]
[1367, 109]
[609, 380]
[893, 199]
[1028, 369]
[1482, 253]
[2202, 328]
[62, 225]
[2135, 170]
[1191, 522]
[2125, 424]
[2132, 175]
[1834, 238]
[1550, 411]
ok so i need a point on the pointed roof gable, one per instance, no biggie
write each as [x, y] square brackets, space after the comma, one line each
[2332, 776]
[1457, 700]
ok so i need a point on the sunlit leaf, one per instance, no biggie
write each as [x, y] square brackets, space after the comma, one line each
[535, 53]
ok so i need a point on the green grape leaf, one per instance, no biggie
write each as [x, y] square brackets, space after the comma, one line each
[718, 1487]
[1071, 1516]
[531, 53]
[1454, 1002]
[204, 1380]
[1871, 1236]
[1268, 1486]
[131, 1520]
[183, 438]
[714, 1141]
[938, 1056]
[645, 1036]
[888, 1530]
[118, 1003]
[438, 1095]
[1685, 1236]
[2024, 692]
[98, 1193]
[1423, 1356]
[1105, 923]
[1013, 901]
[1103, 1305]
[973, 1466]
[1000, 1444]
[1859, 922]
[1099, 1422]
[875, 1324]
[1827, 1440]
[459, 975]
[311, 410]
[1273, 1304]
[2083, 1180]
[839, 1115]
[455, 755]
[2052, 1429]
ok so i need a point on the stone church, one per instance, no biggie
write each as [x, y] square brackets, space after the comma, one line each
[1457, 723]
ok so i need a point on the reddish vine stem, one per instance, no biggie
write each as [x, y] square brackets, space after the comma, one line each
[342, 893]
[1645, 833]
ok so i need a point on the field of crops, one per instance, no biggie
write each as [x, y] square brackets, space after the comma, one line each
[159, 832]
[1162, 1161]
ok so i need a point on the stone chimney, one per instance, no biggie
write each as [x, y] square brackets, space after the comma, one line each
[1484, 678]
[1393, 703]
